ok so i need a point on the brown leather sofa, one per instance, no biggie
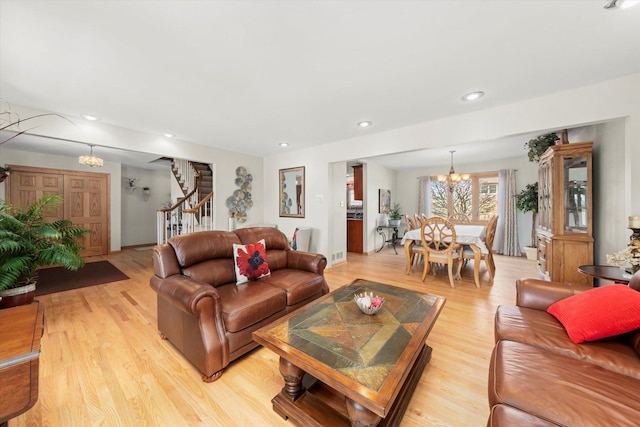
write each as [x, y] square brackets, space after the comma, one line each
[539, 377]
[202, 311]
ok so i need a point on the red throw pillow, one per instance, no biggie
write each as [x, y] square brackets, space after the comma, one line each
[598, 313]
[250, 261]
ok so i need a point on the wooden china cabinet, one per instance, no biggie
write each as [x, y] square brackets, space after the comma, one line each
[565, 234]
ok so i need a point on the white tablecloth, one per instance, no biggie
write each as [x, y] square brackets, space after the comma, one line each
[466, 234]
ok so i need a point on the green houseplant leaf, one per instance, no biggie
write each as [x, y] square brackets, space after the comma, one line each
[29, 241]
[395, 212]
[527, 201]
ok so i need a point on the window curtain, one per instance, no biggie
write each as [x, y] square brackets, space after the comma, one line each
[506, 240]
[424, 196]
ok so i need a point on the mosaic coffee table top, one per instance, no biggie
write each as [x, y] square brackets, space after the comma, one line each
[365, 350]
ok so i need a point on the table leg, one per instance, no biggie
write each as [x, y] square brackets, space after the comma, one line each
[477, 257]
[384, 238]
[395, 239]
[407, 254]
[292, 380]
[360, 416]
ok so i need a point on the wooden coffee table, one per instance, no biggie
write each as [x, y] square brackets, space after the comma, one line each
[360, 369]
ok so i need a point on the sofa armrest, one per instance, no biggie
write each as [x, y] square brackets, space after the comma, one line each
[313, 263]
[540, 294]
[184, 292]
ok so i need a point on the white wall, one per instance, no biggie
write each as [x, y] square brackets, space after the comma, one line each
[16, 157]
[609, 217]
[377, 177]
[224, 162]
[139, 224]
[527, 173]
[605, 101]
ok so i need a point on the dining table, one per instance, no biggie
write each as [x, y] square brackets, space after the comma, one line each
[466, 234]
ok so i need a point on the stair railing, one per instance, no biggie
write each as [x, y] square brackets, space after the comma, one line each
[171, 221]
[199, 218]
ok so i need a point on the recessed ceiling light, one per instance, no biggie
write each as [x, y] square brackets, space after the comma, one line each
[364, 124]
[283, 144]
[472, 96]
[90, 117]
[168, 135]
[626, 4]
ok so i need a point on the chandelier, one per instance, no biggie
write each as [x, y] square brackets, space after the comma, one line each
[453, 178]
[91, 160]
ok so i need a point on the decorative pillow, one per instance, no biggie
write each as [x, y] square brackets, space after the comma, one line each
[294, 242]
[598, 313]
[250, 261]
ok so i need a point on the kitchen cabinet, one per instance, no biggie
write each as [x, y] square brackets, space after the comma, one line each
[354, 235]
[357, 183]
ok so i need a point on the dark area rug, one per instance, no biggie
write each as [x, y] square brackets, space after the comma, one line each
[58, 279]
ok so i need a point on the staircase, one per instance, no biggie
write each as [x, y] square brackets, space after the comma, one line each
[194, 211]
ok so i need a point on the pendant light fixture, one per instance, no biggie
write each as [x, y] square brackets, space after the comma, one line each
[91, 160]
[453, 178]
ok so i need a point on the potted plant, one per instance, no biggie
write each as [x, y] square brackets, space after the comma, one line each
[527, 201]
[29, 241]
[395, 215]
[537, 146]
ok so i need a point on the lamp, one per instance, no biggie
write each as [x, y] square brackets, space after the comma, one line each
[91, 160]
[453, 178]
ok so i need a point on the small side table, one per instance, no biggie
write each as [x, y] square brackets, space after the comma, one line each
[393, 238]
[22, 328]
[606, 272]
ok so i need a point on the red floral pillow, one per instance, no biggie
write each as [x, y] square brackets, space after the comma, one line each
[598, 313]
[250, 261]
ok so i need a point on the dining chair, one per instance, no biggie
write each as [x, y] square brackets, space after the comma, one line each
[416, 254]
[417, 220]
[408, 221]
[459, 218]
[438, 239]
[486, 253]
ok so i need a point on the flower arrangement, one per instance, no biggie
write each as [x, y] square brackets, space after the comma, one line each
[368, 303]
[628, 256]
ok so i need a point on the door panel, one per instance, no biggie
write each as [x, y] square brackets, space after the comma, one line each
[87, 206]
[26, 187]
[86, 199]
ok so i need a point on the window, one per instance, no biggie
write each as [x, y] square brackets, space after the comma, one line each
[477, 198]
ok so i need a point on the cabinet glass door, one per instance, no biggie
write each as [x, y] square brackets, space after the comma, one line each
[575, 194]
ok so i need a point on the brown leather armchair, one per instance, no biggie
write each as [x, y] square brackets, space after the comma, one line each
[205, 314]
[539, 377]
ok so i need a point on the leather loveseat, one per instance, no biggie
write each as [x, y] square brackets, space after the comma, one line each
[539, 377]
[205, 314]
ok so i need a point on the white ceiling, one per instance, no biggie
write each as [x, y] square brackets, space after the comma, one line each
[245, 75]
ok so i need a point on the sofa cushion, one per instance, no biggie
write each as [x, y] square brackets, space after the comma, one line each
[248, 303]
[298, 284]
[193, 248]
[533, 380]
[505, 415]
[540, 329]
[250, 261]
[598, 313]
[214, 271]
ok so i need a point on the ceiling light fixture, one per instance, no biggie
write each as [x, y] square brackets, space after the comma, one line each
[364, 124]
[91, 160]
[168, 135]
[453, 178]
[90, 117]
[283, 144]
[472, 96]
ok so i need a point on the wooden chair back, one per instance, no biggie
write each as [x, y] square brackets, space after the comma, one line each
[438, 236]
[491, 232]
[459, 218]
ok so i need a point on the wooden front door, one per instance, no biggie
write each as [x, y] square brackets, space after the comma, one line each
[86, 199]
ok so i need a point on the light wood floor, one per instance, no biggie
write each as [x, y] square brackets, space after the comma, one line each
[103, 362]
